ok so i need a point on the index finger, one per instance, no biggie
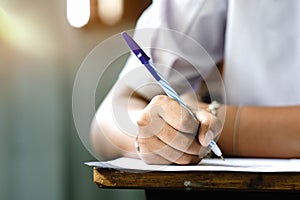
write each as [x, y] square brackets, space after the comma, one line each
[172, 113]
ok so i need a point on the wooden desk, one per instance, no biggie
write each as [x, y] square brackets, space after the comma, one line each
[246, 181]
[156, 183]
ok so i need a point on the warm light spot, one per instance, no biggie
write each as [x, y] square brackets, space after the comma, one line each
[78, 12]
[6, 24]
[110, 11]
[24, 34]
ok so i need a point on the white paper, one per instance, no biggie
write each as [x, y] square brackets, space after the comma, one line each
[206, 164]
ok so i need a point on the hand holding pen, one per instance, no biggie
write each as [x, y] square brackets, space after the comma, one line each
[165, 137]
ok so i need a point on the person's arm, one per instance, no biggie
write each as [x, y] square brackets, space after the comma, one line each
[108, 139]
[253, 131]
[166, 130]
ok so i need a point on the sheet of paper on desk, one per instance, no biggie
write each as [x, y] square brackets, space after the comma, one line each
[207, 164]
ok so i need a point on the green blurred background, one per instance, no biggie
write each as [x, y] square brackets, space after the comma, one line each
[41, 155]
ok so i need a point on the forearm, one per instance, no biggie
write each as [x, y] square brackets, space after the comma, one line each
[261, 132]
[108, 136]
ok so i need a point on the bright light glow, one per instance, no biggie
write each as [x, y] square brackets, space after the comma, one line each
[23, 33]
[4, 24]
[78, 12]
[110, 11]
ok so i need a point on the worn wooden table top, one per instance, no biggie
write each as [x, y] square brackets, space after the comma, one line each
[198, 180]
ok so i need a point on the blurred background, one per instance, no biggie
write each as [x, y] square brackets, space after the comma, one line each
[42, 45]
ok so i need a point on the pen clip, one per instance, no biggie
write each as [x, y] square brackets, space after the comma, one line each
[136, 49]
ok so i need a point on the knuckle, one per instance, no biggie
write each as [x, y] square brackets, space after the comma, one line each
[159, 99]
[144, 119]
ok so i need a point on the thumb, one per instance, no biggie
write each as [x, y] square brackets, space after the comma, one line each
[210, 128]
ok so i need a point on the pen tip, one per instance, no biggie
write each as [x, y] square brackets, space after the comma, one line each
[222, 158]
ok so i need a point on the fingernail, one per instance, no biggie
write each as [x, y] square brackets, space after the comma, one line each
[208, 137]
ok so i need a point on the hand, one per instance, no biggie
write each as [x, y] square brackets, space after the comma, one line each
[167, 133]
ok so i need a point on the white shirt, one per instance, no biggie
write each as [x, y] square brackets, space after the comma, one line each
[259, 41]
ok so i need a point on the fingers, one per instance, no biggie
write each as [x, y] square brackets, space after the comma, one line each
[171, 112]
[168, 146]
[167, 132]
[152, 125]
[183, 142]
[210, 128]
[160, 143]
[155, 151]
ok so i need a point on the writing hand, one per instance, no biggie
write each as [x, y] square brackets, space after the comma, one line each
[168, 133]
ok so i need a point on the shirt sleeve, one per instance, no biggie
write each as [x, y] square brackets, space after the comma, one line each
[184, 40]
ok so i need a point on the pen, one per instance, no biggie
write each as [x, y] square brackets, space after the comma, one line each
[145, 60]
